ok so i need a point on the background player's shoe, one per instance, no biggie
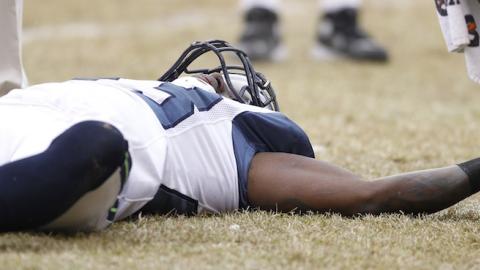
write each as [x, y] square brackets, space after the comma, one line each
[261, 39]
[339, 35]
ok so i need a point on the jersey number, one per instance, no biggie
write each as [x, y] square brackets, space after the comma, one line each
[180, 104]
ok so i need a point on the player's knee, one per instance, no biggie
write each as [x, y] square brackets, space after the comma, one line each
[87, 134]
[78, 163]
[92, 148]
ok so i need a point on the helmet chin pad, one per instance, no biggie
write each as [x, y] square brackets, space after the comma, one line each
[245, 85]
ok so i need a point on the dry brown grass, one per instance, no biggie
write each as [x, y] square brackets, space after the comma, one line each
[419, 111]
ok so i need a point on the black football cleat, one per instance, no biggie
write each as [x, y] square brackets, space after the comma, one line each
[339, 35]
[261, 39]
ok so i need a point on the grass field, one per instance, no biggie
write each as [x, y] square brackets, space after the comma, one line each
[418, 111]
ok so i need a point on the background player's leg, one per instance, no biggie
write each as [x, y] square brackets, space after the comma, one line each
[36, 190]
[11, 68]
[329, 6]
[288, 182]
[272, 5]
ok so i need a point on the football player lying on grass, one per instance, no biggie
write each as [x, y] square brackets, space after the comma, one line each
[80, 154]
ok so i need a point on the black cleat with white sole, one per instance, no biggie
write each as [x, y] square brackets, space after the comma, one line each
[261, 39]
[339, 35]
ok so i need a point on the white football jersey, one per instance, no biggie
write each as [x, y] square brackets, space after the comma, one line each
[190, 147]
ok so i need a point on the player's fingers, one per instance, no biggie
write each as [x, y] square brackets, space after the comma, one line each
[204, 77]
[211, 80]
[222, 86]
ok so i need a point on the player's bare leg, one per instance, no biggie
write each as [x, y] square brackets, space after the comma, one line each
[286, 182]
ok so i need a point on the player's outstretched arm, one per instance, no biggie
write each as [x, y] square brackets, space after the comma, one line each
[286, 182]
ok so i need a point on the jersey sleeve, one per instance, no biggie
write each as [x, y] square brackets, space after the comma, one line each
[255, 132]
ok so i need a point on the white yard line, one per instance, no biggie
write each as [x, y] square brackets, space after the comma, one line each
[96, 30]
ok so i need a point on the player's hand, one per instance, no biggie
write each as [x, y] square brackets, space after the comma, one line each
[215, 80]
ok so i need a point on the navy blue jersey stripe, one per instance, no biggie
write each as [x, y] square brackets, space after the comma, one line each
[181, 103]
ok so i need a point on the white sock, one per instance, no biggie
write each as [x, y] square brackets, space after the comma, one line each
[272, 5]
[328, 6]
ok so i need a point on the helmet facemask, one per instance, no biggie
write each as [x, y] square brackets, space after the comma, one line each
[245, 85]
